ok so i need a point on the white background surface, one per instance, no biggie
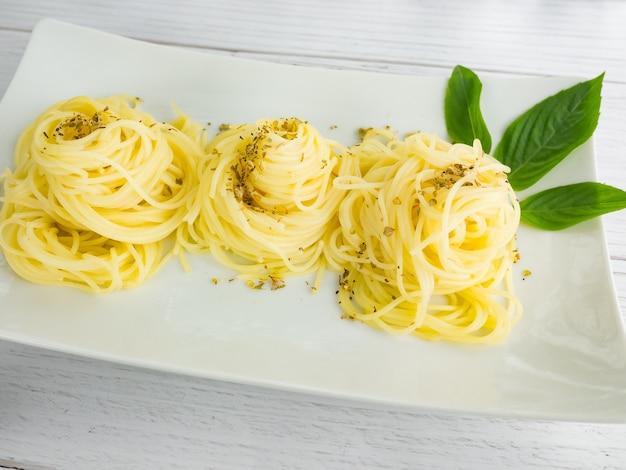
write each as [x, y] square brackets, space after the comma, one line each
[60, 411]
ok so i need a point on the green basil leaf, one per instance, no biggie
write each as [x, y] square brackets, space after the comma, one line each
[564, 206]
[464, 119]
[549, 131]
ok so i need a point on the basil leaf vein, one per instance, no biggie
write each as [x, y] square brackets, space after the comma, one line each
[563, 206]
[544, 135]
[463, 116]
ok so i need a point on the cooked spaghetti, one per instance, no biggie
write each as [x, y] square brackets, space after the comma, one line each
[266, 202]
[97, 187]
[427, 238]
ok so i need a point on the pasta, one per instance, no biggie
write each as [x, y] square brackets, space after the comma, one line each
[421, 231]
[266, 203]
[427, 239]
[98, 187]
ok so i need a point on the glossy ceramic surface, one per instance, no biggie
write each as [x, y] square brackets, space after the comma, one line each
[566, 358]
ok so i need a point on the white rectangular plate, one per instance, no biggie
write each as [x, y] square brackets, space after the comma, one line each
[564, 360]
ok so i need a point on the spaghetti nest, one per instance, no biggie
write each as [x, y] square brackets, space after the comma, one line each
[427, 238]
[266, 202]
[97, 188]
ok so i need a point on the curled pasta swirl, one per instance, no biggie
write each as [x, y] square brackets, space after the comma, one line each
[98, 186]
[266, 201]
[427, 238]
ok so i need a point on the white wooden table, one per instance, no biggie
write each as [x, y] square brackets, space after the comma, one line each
[61, 411]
